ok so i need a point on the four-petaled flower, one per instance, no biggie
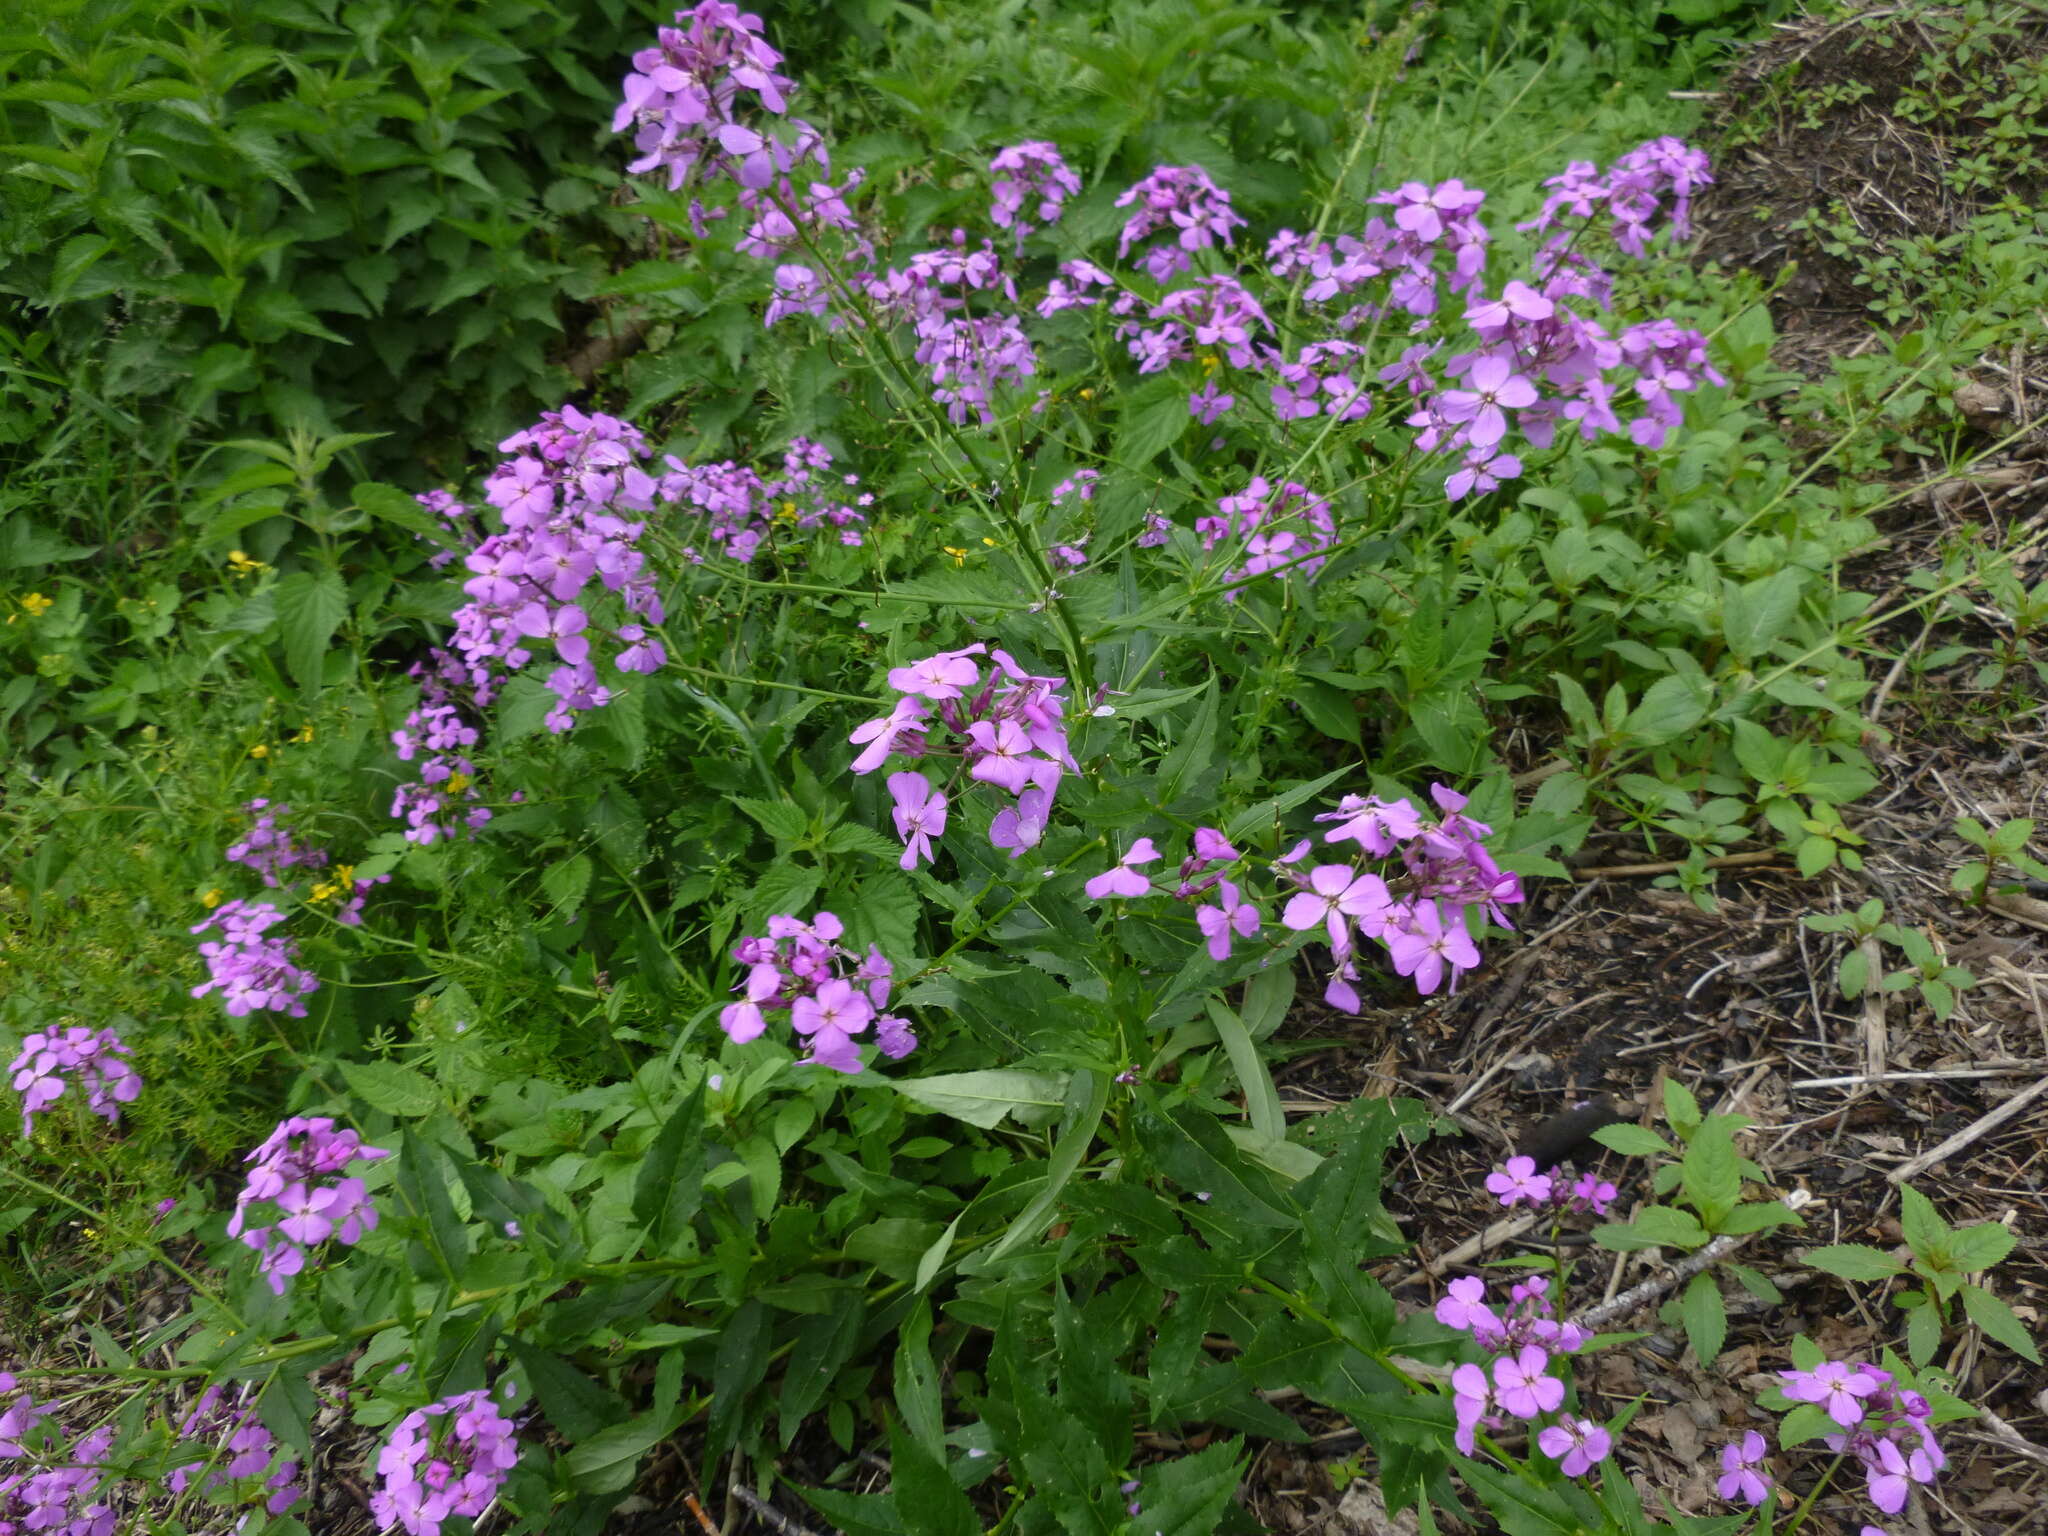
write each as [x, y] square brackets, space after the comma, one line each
[1122, 878]
[1577, 1445]
[1523, 1384]
[1229, 915]
[1740, 1477]
[1520, 1181]
[920, 816]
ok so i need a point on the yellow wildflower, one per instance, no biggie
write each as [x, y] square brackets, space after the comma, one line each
[303, 734]
[212, 898]
[1087, 394]
[457, 783]
[243, 565]
[36, 604]
[259, 750]
[1210, 362]
[959, 555]
[341, 882]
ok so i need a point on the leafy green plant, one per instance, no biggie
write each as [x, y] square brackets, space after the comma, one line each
[2004, 844]
[1940, 1261]
[1703, 1194]
[1927, 967]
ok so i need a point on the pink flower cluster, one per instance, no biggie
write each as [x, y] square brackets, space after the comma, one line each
[803, 968]
[301, 1174]
[1216, 313]
[252, 1455]
[1031, 186]
[269, 847]
[58, 1493]
[444, 800]
[250, 970]
[1283, 527]
[1631, 194]
[1516, 1382]
[455, 517]
[1009, 732]
[1421, 918]
[742, 508]
[1180, 200]
[557, 494]
[696, 102]
[449, 1458]
[1518, 1183]
[1885, 1426]
[92, 1056]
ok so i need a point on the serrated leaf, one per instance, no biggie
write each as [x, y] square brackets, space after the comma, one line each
[310, 607]
[1633, 1141]
[1979, 1247]
[983, 1098]
[1999, 1320]
[780, 819]
[394, 1089]
[1926, 1233]
[1705, 1316]
[1854, 1261]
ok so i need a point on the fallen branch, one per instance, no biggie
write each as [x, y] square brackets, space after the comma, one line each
[1976, 1129]
[1636, 1297]
[762, 1510]
[1990, 1069]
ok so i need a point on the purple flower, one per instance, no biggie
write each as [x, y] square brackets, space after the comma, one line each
[1031, 186]
[831, 994]
[1740, 1474]
[1577, 1445]
[1524, 1386]
[286, 1175]
[1495, 389]
[1520, 1181]
[447, 1459]
[1464, 1306]
[1022, 825]
[252, 972]
[920, 814]
[1425, 947]
[1336, 895]
[944, 676]
[1839, 1388]
[1183, 200]
[1122, 877]
[1471, 1395]
[1208, 404]
[1229, 915]
[95, 1059]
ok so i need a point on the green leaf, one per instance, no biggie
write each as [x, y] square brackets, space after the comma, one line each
[574, 1404]
[566, 882]
[1074, 1145]
[929, 1502]
[396, 1090]
[1523, 1507]
[1661, 1226]
[669, 1187]
[1706, 1318]
[1854, 1261]
[1998, 1320]
[824, 1343]
[1633, 1141]
[1261, 1098]
[1189, 1495]
[1757, 614]
[781, 820]
[310, 607]
[1923, 1334]
[736, 1370]
[607, 1461]
[1979, 1247]
[287, 1406]
[423, 1185]
[1926, 1233]
[917, 1382]
[983, 1098]
[1153, 416]
[389, 504]
[1671, 707]
[1711, 1172]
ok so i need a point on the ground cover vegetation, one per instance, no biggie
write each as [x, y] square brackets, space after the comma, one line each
[703, 708]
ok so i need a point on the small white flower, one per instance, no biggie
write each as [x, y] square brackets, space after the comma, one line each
[1103, 711]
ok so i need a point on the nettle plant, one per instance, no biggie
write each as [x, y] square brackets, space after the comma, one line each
[931, 848]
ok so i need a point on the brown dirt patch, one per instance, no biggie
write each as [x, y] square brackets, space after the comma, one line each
[1833, 117]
